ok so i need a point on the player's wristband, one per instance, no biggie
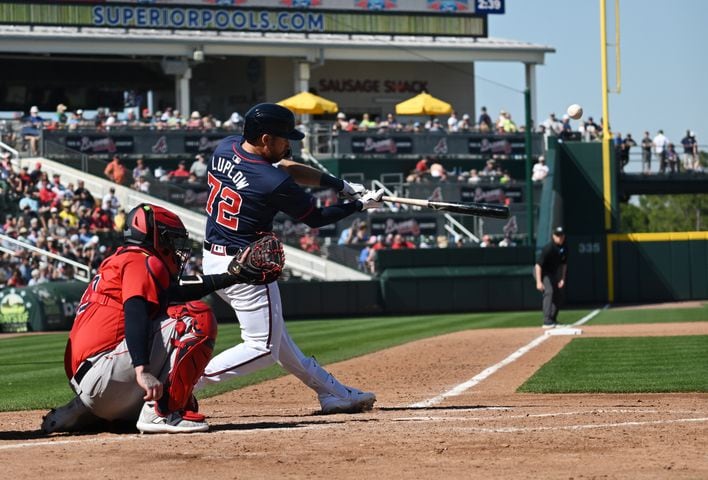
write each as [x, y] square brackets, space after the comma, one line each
[327, 180]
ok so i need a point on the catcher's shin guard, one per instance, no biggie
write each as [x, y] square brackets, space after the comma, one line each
[193, 351]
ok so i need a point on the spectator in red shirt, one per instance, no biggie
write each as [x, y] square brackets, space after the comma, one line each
[422, 165]
[308, 241]
[46, 194]
[100, 221]
[399, 242]
[179, 175]
[16, 279]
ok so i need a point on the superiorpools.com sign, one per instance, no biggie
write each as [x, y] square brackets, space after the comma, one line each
[242, 19]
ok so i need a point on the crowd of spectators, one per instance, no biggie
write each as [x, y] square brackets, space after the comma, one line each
[430, 169]
[23, 132]
[191, 178]
[357, 236]
[63, 219]
[56, 217]
[453, 124]
[657, 147]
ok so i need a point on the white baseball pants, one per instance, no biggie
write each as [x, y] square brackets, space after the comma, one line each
[265, 337]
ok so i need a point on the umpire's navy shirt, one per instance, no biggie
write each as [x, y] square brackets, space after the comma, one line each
[552, 257]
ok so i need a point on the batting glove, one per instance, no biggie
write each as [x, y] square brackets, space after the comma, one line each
[371, 199]
[352, 191]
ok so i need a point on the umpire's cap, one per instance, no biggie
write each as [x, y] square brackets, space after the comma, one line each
[558, 231]
[272, 119]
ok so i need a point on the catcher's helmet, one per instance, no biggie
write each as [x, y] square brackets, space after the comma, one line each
[272, 119]
[159, 230]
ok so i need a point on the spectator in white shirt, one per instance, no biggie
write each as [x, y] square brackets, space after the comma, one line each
[540, 170]
[661, 144]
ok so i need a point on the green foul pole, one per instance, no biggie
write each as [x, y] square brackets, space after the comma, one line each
[529, 161]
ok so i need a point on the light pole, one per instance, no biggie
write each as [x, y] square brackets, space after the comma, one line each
[528, 152]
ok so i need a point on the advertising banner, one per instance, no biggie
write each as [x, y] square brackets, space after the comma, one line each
[411, 224]
[442, 18]
[480, 145]
[43, 307]
[371, 144]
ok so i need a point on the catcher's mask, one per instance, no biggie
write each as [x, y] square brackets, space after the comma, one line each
[161, 231]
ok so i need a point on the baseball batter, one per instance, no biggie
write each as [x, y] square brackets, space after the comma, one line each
[247, 189]
[129, 355]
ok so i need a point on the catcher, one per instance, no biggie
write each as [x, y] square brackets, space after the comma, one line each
[131, 356]
[247, 189]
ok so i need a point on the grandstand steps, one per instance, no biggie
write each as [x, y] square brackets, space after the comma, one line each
[303, 264]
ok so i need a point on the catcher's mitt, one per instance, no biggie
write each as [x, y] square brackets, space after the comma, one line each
[259, 263]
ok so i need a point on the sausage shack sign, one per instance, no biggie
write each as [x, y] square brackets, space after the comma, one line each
[351, 85]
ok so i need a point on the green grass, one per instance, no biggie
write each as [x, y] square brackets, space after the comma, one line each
[625, 365]
[665, 315]
[32, 372]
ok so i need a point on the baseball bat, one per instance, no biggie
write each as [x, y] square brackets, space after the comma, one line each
[478, 209]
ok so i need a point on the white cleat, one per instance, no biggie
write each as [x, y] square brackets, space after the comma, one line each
[152, 422]
[356, 402]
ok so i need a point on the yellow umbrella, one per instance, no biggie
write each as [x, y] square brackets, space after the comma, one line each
[306, 102]
[423, 104]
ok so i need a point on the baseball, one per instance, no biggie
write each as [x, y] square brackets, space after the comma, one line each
[575, 111]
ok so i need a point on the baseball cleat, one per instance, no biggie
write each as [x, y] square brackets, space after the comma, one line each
[550, 325]
[65, 418]
[150, 421]
[356, 402]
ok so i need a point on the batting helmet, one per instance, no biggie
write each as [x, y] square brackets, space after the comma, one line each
[160, 231]
[272, 119]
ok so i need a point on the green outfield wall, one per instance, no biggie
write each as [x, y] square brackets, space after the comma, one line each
[657, 267]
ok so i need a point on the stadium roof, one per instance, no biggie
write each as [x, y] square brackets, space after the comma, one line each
[314, 47]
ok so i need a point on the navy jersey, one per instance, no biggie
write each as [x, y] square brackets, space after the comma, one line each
[245, 193]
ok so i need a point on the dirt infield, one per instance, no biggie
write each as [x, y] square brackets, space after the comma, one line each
[488, 431]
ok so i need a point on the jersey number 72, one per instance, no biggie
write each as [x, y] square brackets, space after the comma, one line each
[227, 206]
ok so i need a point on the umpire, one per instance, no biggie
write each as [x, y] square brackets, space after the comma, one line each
[550, 270]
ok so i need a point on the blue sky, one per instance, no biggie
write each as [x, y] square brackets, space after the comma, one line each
[663, 59]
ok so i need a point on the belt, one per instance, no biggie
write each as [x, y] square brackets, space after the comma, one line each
[82, 371]
[220, 249]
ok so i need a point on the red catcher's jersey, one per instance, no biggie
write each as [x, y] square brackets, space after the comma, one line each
[100, 320]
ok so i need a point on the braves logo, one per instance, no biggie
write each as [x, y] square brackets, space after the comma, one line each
[441, 147]
[160, 146]
[436, 196]
[385, 145]
[100, 145]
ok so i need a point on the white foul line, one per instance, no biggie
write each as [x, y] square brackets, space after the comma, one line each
[463, 387]
[589, 316]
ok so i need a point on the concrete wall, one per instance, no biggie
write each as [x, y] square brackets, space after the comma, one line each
[230, 85]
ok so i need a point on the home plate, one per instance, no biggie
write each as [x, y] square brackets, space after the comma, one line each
[564, 331]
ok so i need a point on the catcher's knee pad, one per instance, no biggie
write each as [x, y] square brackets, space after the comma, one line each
[193, 349]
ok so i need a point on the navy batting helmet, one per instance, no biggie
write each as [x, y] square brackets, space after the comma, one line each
[272, 119]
